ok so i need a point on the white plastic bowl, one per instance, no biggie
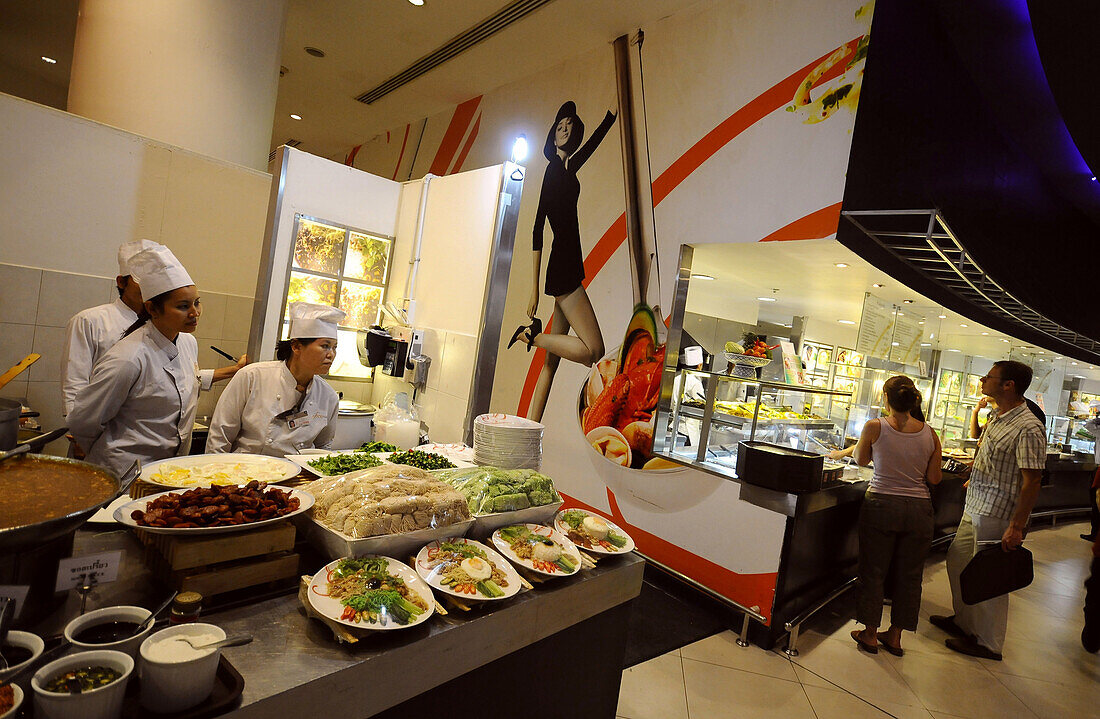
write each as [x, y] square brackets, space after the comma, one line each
[109, 614]
[17, 696]
[174, 686]
[102, 703]
[27, 640]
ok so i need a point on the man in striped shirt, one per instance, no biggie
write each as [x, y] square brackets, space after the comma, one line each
[1004, 485]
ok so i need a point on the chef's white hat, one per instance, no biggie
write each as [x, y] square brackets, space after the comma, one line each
[158, 271]
[308, 321]
[128, 249]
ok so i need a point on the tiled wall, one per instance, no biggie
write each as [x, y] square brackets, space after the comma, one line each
[35, 307]
[443, 404]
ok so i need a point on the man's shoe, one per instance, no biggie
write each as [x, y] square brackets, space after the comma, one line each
[948, 625]
[1089, 537]
[971, 648]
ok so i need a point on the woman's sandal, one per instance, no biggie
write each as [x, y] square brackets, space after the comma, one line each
[896, 651]
[528, 332]
[869, 648]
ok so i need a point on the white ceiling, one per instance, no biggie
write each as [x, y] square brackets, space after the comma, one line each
[805, 281]
[366, 43]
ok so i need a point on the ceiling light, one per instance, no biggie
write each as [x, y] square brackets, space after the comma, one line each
[895, 344]
[963, 326]
[1057, 358]
[314, 51]
[766, 299]
[984, 333]
[701, 277]
[1042, 360]
[846, 322]
[1073, 363]
[519, 148]
[877, 284]
[295, 117]
[925, 344]
[1093, 178]
[942, 317]
[54, 62]
[954, 350]
[841, 265]
[418, 3]
[908, 302]
[1004, 341]
[921, 322]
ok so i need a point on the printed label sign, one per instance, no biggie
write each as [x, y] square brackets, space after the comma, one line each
[75, 571]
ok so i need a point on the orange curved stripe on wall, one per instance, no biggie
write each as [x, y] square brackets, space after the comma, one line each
[813, 226]
[401, 155]
[460, 121]
[467, 146]
[749, 589]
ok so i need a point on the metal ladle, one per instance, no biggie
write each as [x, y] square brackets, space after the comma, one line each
[35, 443]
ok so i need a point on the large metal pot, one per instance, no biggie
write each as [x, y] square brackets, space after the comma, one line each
[29, 554]
[9, 423]
[14, 539]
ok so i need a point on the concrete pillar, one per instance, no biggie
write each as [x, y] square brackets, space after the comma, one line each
[200, 74]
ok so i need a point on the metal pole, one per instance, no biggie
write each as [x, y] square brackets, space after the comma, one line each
[792, 641]
[743, 638]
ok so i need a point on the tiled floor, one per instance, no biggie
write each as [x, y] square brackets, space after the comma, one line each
[1045, 672]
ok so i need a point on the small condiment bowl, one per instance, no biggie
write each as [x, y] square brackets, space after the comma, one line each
[102, 703]
[103, 616]
[17, 697]
[33, 642]
[174, 686]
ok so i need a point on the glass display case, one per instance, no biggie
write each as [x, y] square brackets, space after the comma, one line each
[1078, 439]
[956, 395]
[709, 413]
[1057, 431]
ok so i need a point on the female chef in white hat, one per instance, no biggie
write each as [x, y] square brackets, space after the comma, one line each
[283, 407]
[140, 401]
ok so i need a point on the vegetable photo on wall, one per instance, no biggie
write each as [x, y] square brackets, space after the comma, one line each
[319, 248]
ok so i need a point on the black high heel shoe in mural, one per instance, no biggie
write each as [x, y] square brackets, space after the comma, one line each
[528, 332]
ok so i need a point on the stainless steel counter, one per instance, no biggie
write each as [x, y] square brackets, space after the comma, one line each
[295, 666]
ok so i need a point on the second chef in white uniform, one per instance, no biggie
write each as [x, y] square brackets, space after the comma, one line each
[140, 401]
[282, 407]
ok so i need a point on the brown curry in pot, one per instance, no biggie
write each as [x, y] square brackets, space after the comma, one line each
[35, 490]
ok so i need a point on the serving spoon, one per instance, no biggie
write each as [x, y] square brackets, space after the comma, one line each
[230, 641]
[153, 615]
[34, 443]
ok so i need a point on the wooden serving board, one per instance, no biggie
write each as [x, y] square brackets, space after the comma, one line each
[222, 563]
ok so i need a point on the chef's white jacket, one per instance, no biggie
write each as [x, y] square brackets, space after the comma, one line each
[90, 334]
[1093, 428]
[247, 419]
[140, 401]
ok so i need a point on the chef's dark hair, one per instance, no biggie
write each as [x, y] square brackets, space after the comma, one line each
[569, 109]
[902, 394]
[144, 315]
[125, 284]
[284, 349]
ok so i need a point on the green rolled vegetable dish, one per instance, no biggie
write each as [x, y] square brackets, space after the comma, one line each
[489, 490]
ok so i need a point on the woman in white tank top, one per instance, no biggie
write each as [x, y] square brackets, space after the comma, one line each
[895, 522]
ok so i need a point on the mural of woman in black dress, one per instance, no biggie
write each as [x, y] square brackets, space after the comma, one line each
[565, 269]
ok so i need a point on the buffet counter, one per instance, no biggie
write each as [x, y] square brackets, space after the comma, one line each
[564, 633]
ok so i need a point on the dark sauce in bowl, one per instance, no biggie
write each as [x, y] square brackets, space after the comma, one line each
[15, 654]
[106, 633]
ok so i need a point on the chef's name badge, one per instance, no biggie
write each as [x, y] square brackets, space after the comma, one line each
[300, 419]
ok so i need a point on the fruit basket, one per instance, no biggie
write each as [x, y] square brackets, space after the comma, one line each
[745, 365]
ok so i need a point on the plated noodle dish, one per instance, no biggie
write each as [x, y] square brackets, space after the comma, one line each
[541, 549]
[467, 569]
[593, 532]
[371, 592]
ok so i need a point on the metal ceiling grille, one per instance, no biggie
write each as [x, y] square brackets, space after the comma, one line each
[291, 142]
[478, 33]
[922, 240]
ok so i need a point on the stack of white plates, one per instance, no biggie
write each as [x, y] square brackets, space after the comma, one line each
[507, 441]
